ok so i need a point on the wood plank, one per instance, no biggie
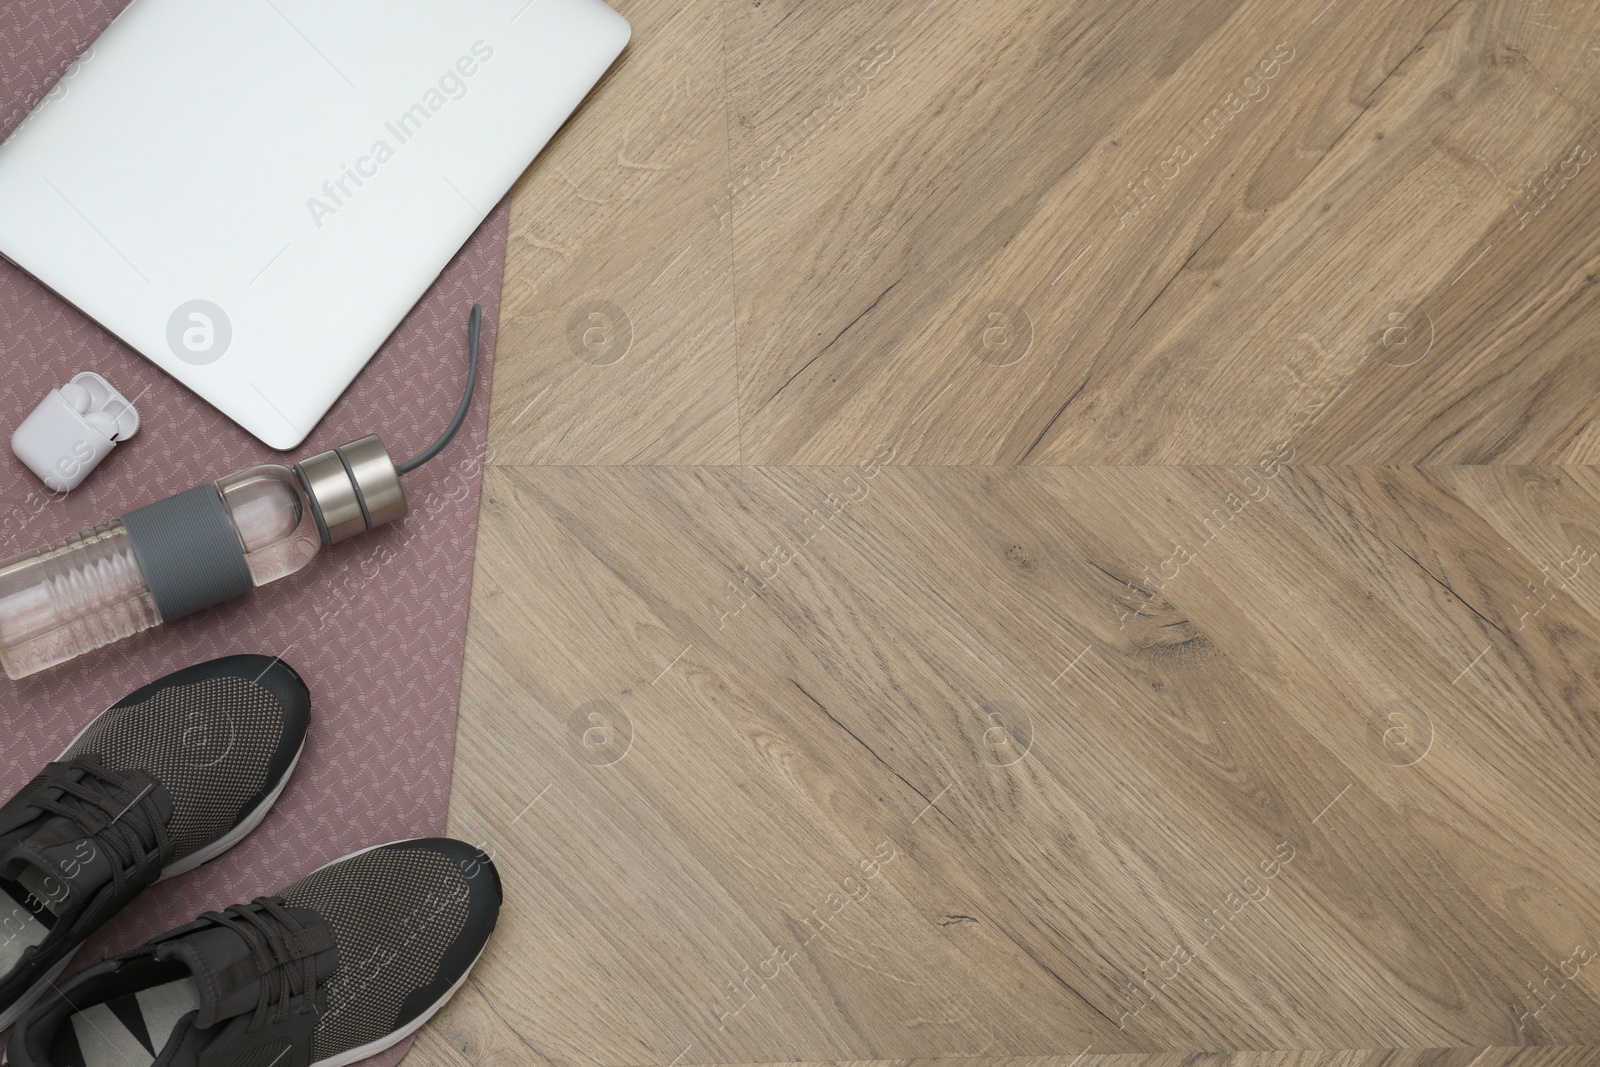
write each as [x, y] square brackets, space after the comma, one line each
[1175, 760]
[616, 337]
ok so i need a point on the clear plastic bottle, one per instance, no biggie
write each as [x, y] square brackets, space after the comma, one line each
[184, 554]
[88, 590]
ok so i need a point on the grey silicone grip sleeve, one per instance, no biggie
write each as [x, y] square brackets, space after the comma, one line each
[189, 552]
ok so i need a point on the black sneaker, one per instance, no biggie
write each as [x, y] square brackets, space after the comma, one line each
[338, 967]
[162, 781]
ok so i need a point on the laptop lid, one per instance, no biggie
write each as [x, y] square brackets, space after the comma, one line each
[253, 193]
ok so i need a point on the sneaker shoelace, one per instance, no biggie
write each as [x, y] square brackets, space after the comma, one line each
[116, 810]
[284, 951]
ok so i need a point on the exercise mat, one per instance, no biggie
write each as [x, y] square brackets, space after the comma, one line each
[376, 626]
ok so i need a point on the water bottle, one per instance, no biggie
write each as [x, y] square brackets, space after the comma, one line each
[188, 552]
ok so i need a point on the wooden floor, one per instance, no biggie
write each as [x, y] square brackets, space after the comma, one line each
[1048, 533]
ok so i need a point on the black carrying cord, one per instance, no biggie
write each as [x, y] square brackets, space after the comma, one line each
[474, 329]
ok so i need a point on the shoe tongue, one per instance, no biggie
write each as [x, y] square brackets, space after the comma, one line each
[226, 972]
[223, 970]
[53, 860]
[58, 866]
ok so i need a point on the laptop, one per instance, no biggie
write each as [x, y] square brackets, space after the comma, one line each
[253, 193]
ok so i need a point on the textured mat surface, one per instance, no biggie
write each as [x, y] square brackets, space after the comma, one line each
[376, 626]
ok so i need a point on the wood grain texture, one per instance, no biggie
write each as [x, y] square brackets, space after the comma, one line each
[1541, 1057]
[1228, 758]
[1174, 231]
[1067, 544]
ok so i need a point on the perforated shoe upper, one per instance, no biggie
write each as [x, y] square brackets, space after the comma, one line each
[410, 918]
[332, 969]
[219, 737]
[170, 776]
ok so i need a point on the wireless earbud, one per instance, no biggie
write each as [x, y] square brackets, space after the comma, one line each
[104, 422]
[77, 398]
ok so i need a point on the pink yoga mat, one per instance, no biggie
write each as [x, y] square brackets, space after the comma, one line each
[376, 626]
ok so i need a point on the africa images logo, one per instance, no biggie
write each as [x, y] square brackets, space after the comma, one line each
[338, 191]
[199, 332]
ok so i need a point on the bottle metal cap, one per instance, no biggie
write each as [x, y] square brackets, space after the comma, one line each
[353, 489]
